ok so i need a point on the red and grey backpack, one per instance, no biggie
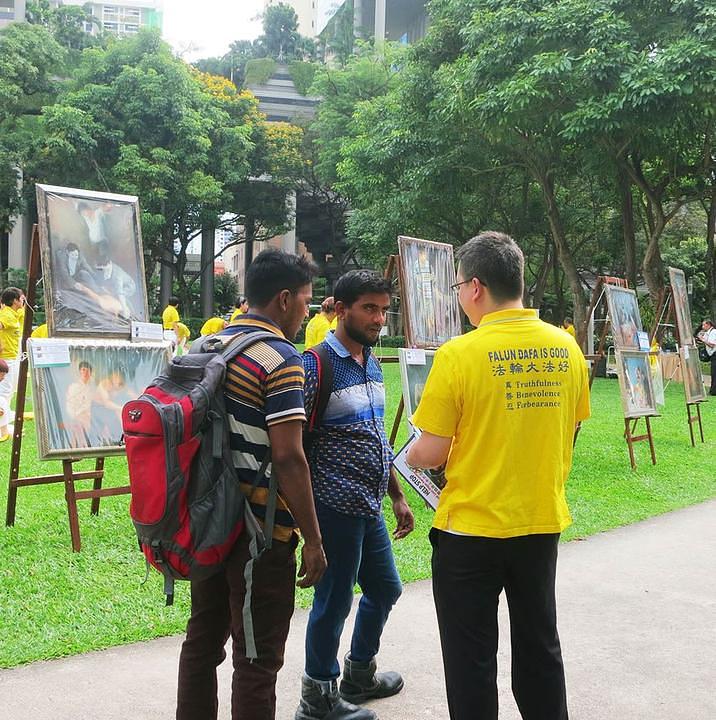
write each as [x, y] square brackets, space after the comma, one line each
[187, 506]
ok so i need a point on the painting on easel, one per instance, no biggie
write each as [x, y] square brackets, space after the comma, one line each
[415, 367]
[430, 307]
[625, 317]
[637, 391]
[680, 294]
[80, 387]
[693, 377]
[92, 262]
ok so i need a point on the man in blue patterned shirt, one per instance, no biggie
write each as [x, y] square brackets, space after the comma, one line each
[350, 461]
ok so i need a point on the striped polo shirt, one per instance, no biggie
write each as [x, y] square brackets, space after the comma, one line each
[264, 387]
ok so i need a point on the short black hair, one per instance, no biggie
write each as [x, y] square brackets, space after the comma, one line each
[174, 300]
[274, 270]
[9, 295]
[240, 301]
[496, 260]
[359, 282]
[72, 246]
[84, 364]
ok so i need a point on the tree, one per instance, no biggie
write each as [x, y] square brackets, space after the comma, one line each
[280, 32]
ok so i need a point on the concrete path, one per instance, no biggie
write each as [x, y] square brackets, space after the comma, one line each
[637, 609]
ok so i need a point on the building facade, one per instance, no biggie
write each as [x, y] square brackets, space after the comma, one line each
[122, 18]
[11, 11]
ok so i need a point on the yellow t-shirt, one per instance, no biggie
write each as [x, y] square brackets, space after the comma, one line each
[334, 323]
[570, 330]
[316, 329]
[236, 314]
[9, 333]
[40, 331]
[182, 331]
[212, 325]
[509, 393]
[169, 317]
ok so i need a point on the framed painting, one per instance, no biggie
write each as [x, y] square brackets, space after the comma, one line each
[692, 374]
[80, 387]
[430, 309]
[625, 317]
[415, 367]
[637, 390]
[92, 262]
[682, 310]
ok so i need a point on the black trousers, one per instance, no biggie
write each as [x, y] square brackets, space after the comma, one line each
[712, 390]
[469, 573]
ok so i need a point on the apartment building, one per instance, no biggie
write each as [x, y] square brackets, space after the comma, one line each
[122, 18]
[11, 11]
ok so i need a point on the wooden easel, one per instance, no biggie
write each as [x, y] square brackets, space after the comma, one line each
[392, 270]
[69, 476]
[666, 312]
[630, 424]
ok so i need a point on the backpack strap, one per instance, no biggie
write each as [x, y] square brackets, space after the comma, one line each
[324, 372]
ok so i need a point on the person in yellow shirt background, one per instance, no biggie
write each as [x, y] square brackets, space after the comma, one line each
[568, 327]
[170, 318]
[40, 332]
[183, 335]
[11, 301]
[319, 325]
[241, 308]
[500, 407]
[212, 325]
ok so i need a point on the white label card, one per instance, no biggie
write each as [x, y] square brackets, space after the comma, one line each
[51, 354]
[643, 341]
[686, 351]
[146, 331]
[415, 356]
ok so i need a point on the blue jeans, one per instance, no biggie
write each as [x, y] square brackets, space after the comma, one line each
[358, 550]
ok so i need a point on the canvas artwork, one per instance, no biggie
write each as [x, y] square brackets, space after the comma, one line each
[625, 317]
[680, 293]
[637, 391]
[693, 376]
[414, 370]
[78, 405]
[92, 261]
[430, 308]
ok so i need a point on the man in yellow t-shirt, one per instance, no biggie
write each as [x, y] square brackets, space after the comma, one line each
[568, 327]
[500, 407]
[213, 325]
[11, 302]
[242, 307]
[319, 325]
[170, 318]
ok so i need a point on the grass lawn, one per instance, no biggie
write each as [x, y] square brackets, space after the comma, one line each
[55, 603]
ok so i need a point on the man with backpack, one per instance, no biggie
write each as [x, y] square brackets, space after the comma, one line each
[350, 459]
[265, 410]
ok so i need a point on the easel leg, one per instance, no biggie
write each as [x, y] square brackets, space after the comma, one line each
[691, 424]
[71, 499]
[396, 422]
[701, 427]
[627, 435]
[651, 440]
[97, 485]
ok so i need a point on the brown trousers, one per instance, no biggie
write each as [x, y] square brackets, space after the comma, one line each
[216, 607]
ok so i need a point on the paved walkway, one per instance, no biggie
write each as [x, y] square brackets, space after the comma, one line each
[637, 609]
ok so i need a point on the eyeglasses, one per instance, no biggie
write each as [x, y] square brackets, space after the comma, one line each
[456, 286]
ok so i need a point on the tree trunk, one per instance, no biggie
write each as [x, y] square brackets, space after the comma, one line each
[206, 279]
[653, 265]
[541, 278]
[166, 269]
[250, 233]
[628, 232]
[711, 254]
[565, 255]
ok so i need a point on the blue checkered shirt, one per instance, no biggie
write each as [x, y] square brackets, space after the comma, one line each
[351, 456]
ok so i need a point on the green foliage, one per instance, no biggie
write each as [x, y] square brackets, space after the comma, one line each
[302, 74]
[259, 70]
[280, 32]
